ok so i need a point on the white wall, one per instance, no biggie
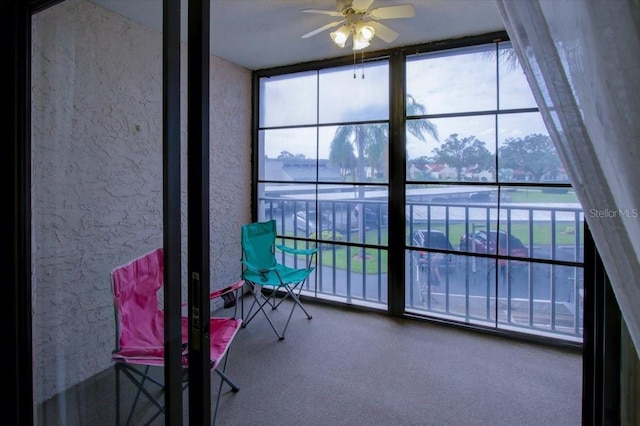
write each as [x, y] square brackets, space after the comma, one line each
[97, 177]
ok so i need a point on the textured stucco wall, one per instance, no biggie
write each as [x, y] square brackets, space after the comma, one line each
[97, 177]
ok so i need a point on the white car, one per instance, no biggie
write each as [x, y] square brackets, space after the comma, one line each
[306, 221]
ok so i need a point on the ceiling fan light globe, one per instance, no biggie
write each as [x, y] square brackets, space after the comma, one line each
[340, 36]
[338, 39]
[366, 32]
[360, 43]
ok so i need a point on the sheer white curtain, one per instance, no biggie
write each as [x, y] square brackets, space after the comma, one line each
[582, 60]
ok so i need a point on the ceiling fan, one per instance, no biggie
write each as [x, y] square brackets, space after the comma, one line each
[361, 22]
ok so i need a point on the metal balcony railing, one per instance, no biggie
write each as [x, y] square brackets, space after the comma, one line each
[495, 287]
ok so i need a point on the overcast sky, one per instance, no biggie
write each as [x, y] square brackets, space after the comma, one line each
[444, 84]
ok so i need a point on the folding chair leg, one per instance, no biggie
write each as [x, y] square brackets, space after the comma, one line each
[117, 394]
[289, 291]
[296, 302]
[296, 299]
[260, 305]
[223, 378]
[139, 382]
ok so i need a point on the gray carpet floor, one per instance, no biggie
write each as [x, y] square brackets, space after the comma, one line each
[348, 367]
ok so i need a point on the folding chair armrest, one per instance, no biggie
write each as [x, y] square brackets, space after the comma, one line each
[303, 252]
[227, 289]
[222, 291]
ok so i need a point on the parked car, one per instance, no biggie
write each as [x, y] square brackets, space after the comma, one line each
[480, 242]
[375, 215]
[429, 265]
[431, 238]
[306, 221]
[481, 197]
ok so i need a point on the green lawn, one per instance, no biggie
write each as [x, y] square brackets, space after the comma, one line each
[537, 196]
[337, 255]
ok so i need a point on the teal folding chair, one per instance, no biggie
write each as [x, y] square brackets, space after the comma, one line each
[271, 283]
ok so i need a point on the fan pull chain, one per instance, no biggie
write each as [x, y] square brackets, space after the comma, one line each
[362, 64]
[354, 64]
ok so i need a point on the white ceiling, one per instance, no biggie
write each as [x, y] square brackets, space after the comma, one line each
[259, 34]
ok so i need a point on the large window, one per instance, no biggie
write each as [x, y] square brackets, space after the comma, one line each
[323, 174]
[493, 231]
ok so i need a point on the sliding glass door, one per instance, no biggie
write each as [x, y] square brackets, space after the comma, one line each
[106, 188]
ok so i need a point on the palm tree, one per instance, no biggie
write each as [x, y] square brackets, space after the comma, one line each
[419, 128]
[359, 137]
[353, 146]
[341, 155]
[505, 55]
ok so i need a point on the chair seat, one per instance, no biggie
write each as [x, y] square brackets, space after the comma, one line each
[222, 331]
[278, 278]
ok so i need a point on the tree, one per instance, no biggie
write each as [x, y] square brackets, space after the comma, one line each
[422, 164]
[353, 147]
[286, 155]
[419, 128]
[358, 138]
[341, 155]
[459, 153]
[505, 56]
[534, 154]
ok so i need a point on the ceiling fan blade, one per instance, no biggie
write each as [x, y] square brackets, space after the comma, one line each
[393, 12]
[323, 12]
[361, 5]
[384, 32]
[323, 28]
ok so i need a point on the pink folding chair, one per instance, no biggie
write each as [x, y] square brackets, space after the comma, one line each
[140, 332]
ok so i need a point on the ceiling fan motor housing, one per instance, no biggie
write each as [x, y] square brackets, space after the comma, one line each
[360, 23]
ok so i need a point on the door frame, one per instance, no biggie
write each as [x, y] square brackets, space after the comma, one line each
[15, 27]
